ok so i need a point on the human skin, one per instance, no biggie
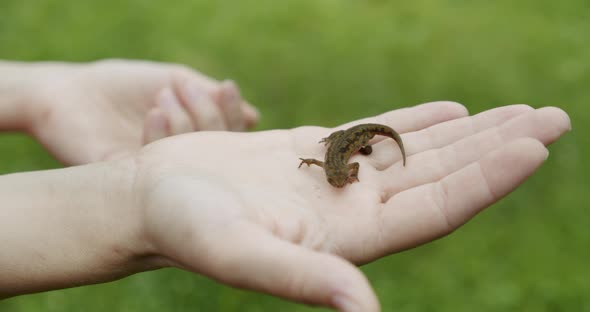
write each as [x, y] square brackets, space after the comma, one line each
[86, 112]
[242, 213]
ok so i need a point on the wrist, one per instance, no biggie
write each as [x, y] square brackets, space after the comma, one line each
[128, 245]
[16, 86]
[26, 89]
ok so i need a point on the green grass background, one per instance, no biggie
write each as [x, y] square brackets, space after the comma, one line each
[325, 62]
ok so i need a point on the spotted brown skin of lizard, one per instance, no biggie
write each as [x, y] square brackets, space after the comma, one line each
[343, 144]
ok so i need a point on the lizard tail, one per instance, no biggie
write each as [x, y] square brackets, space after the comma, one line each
[400, 143]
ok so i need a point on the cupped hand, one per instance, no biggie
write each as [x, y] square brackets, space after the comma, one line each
[97, 111]
[235, 207]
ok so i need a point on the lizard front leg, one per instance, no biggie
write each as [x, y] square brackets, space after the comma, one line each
[333, 136]
[353, 172]
[311, 161]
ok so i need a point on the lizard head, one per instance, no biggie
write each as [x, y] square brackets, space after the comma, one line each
[340, 178]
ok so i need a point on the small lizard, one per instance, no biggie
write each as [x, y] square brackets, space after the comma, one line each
[342, 144]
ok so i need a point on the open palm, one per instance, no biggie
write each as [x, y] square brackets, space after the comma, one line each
[102, 110]
[235, 207]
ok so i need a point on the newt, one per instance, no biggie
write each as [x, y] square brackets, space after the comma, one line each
[342, 144]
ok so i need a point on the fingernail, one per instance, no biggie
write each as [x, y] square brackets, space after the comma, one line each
[230, 91]
[251, 111]
[546, 154]
[344, 303]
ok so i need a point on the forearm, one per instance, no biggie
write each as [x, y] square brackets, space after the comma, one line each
[69, 227]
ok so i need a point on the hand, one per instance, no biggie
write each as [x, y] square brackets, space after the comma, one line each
[87, 112]
[241, 212]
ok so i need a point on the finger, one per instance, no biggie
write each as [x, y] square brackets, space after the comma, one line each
[182, 73]
[545, 124]
[155, 126]
[257, 260]
[414, 118]
[203, 111]
[448, 132]
[401, 120]
[386, 152]
[251, 114]
[427, 212]
[230, 103]
[177, 116]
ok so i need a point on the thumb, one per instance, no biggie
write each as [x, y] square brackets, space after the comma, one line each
[255, 259]
[156, 126]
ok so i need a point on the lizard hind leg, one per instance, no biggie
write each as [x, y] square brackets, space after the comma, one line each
[311, 161]
[366, 150]
[353, 169]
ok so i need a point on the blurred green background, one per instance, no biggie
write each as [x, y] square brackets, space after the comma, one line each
[325, 62]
